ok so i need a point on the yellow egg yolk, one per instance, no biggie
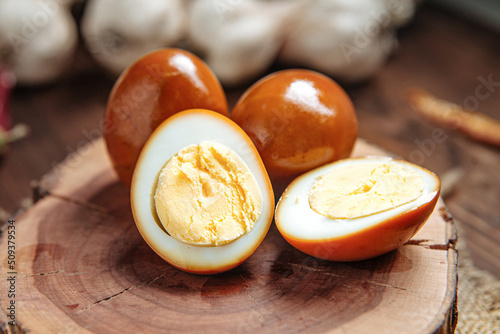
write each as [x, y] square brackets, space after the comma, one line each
[364, 189]
[206, 195]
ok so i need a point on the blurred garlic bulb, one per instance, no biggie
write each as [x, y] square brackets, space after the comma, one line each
[239, 39]
[349, 40]
[117, 32]
[37, 39]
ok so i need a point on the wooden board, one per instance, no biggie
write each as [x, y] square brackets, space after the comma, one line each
[82, 267]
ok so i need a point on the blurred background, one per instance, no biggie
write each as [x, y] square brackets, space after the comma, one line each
[59, 60]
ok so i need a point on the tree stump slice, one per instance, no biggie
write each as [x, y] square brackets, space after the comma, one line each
[82, 267]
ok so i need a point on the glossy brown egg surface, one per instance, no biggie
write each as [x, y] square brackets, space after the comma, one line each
[152, 89]
[298, 120]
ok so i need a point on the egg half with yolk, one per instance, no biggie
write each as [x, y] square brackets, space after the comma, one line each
[201, 197]
[356, 209]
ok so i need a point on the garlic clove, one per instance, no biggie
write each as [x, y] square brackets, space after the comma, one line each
[37, 40]
[344, 39]
[116, 35]
[240, 39]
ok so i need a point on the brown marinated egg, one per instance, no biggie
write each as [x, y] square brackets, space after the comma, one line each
[298, 120]
[155, 87]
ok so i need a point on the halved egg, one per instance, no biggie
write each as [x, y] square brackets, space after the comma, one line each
[201, 197]
[357, 208]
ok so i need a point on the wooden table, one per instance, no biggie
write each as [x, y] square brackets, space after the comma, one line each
[439, 52]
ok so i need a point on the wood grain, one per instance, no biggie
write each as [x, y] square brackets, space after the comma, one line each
[83, 268]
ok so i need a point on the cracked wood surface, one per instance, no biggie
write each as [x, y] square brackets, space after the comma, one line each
[83, 268]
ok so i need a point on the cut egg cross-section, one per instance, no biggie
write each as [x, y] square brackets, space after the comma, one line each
[201, 197]
[356, 209]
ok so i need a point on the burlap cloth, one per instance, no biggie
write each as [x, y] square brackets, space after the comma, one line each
[478, 294]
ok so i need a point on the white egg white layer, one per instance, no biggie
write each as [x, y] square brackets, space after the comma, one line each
[295, 218]
[179, 131]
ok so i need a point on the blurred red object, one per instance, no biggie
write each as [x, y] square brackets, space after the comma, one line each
[7, 82]
[8, 133]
